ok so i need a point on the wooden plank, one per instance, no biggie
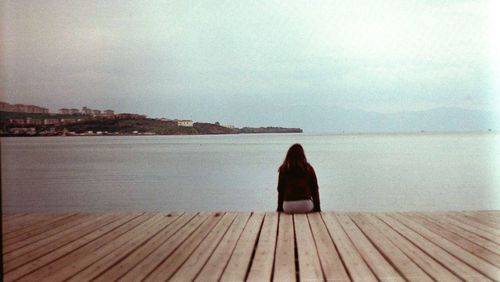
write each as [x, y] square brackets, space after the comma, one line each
[18, 246]
[85, 250]
[479, 264]
[27, 220]
[375, 260]
[148, 264]
[309, 265]
[284, 262]
[333, 268]
[474, 223]
[42, 247]
[396, 257]
[489, 216]
[483, 219]
[6, 216]
[12, 217]
[261, 268]
[31, 227]
[66, 249]
[123, 266]
[13, 220]
[32, 243]
[121, 252]
[168, 267]
[494, 247]
[193, 265]
[36, 230]
[459, 268]
[354, 263]
[460, 241]
[472, 229]
[489, 213]
[424, 261]
[151, 223]
[236, 269]
[214, 267]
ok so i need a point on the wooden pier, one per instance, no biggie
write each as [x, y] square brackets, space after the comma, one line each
[454, 246]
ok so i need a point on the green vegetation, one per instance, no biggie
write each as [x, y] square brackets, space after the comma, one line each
[131, 126]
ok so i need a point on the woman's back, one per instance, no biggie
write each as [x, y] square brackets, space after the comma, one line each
[297, 183]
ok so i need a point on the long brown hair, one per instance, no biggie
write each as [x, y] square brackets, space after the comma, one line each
[295, 160]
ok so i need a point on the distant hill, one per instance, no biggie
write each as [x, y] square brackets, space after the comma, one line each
[128, 126]
[167, 127]
[269, 130]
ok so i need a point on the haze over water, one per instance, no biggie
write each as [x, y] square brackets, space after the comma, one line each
[413, 172]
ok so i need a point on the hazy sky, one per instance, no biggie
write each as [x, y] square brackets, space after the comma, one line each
[236, 61]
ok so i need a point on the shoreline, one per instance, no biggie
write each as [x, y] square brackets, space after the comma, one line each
[426, 133]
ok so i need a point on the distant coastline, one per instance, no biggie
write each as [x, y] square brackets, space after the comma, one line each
[46, 124]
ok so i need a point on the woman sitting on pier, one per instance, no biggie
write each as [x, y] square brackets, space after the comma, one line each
[298, 190]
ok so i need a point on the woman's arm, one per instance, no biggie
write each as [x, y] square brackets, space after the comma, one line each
[314, 189]
[281, 192]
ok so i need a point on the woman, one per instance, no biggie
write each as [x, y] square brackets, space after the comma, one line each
[297, 184]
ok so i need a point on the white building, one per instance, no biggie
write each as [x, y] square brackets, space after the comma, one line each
[185, 123]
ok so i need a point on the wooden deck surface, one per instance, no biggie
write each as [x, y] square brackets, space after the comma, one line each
[454, 246]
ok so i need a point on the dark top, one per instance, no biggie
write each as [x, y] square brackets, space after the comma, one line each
[296, 186]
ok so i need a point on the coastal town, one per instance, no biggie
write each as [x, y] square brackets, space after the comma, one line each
[32, 120]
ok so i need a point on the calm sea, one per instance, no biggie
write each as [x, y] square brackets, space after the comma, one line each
[417, 172]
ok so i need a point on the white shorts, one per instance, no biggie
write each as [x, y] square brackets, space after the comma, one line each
[301, 206]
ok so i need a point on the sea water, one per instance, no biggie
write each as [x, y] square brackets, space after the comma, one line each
[371, 172]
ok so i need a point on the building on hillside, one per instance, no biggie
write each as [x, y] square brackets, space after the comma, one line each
[109, 113]
[185, 123]
[74, 111]
[51, 121]
[6, 107]
[21, 108]
[23, 131]
[96, 113]
[64, 111]
[33, 121]
[17, 121]
[86, 111]
[35, 109]
[68, 120]
[41, 110]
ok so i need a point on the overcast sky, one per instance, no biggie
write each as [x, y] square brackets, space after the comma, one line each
[228, 60]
